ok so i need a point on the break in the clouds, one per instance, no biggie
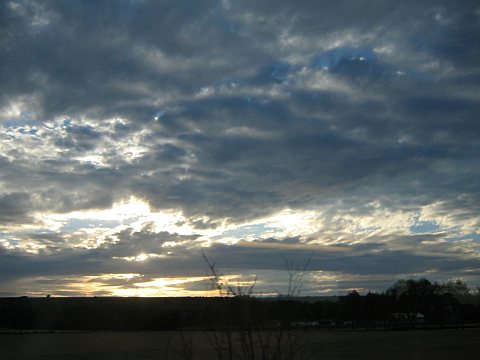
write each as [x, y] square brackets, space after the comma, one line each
[137, 135]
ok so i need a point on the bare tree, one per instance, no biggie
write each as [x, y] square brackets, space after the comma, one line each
[242, 336]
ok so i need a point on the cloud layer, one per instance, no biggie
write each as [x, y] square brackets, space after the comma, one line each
[252, 131]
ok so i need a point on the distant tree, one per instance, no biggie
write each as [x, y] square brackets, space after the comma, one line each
[414, 296]
[352, 306]
[456, 288]
[397, 289]
[375, 307]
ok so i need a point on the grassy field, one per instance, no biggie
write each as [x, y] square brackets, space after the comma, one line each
[440, 344]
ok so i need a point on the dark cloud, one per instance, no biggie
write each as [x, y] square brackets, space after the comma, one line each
[230, 111]
[272, 257]
[14, 208]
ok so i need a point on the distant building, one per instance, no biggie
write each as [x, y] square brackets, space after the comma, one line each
[399, 321]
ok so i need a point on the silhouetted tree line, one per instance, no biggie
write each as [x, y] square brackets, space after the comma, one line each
[432, 303]
[438, 304]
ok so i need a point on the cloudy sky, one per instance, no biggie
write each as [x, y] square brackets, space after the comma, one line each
[137, 135]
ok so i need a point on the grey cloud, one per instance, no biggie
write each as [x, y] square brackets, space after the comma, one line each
[359, 260]
[364, 260]
[144, 241]
[241, 110]
[14, 208]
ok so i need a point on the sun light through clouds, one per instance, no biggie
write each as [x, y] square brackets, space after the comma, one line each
[164, 287]
[132, 212]
[123, 285]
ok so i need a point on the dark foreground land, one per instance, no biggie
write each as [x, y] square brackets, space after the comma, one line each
[413, 320]
[432, 344]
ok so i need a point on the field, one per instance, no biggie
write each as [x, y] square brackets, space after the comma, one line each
[440, 344]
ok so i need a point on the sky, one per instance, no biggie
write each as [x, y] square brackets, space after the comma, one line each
[136, 137]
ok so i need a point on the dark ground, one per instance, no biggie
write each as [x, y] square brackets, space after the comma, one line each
[342, 345]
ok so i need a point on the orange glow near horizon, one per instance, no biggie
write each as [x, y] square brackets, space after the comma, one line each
[121, 285]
